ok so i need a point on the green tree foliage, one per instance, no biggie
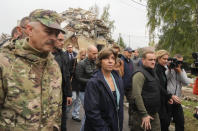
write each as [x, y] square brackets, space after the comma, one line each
[106, 18]
[121, 41]
[177, 24]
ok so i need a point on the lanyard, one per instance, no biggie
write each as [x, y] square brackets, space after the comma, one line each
[116, 88]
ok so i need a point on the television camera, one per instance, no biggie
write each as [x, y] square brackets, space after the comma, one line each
[194, 66]
[174, 63]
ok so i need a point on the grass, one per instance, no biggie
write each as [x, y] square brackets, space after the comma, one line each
[191, 76]
[191, 124]
[190, 86]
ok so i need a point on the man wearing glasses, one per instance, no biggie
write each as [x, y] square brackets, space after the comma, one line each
[30, 78]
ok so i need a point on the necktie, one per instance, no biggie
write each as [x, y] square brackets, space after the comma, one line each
[71, 56]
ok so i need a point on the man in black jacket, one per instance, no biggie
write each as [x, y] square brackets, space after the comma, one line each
[145, 96]
[128, 70]
[84, 72]
[63, 62]
[75, 93]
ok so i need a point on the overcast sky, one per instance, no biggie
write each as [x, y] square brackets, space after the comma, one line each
[130, 17]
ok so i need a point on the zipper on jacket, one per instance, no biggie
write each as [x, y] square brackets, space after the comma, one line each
[41, 115]
[118, 119]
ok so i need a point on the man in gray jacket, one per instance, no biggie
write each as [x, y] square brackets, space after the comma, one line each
[177, 77]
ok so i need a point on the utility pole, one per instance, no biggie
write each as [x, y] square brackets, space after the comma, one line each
[129, 40]
[119, 39]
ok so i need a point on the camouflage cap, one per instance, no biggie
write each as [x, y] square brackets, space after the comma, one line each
[48, 18]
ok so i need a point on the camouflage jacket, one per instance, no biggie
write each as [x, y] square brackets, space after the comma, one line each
[30, 90]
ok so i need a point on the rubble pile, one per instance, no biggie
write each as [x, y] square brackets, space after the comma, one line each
[83, 22]
[188, 98]
[4, 37]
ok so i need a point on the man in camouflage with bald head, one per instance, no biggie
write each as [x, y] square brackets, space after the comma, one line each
[30, 78]
[18, 32]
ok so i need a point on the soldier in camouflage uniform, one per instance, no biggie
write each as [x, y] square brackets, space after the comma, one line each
[18, 32]
[30, 78]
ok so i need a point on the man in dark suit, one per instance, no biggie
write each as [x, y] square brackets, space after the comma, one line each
[72, 58]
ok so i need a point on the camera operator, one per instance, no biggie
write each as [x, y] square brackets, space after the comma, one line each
[176, 77]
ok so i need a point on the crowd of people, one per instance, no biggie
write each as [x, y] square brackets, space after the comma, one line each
[41, 83]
